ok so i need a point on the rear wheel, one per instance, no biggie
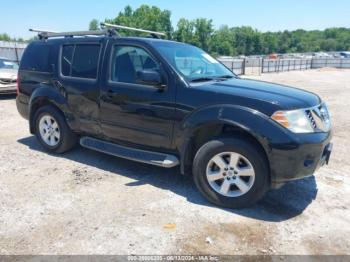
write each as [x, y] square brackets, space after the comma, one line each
[52, 130]
[231, 172]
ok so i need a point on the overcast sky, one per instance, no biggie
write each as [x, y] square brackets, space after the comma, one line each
[265, 15]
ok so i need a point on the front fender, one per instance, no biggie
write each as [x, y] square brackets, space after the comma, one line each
[260, 126]
[46, 95]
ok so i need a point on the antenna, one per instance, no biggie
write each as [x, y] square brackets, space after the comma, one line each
[152, 33]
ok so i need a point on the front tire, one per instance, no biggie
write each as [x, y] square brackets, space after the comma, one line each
[52, 130]
[231, 172]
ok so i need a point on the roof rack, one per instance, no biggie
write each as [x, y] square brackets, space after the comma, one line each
[107, 29]
[44, 34]
[152, 33]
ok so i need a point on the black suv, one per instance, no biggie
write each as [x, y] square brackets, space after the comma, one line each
[167, 103]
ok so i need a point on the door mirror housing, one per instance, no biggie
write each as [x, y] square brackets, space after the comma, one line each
[149, 77]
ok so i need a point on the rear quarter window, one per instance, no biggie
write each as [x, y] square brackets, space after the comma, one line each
[80, 60]
[37, 57]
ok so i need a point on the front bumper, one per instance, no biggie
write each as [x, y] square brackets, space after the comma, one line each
[300, 158]
[8, 89]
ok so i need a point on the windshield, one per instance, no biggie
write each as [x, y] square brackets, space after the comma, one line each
[7, 64]
[193, 63]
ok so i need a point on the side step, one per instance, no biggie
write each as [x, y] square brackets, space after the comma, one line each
[148, 157]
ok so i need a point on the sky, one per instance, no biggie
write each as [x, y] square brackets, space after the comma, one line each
[17, 16]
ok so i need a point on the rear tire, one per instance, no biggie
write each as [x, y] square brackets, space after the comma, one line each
[231, 172]
[52, 131]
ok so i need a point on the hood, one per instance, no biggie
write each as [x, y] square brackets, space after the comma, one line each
[281, 96]
[8, 74]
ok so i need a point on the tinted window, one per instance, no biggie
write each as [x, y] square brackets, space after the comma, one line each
[85, 61]
[128, 60]
[36, 58]
[66, 59]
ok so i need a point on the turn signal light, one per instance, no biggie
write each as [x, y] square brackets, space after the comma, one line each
[280, 117]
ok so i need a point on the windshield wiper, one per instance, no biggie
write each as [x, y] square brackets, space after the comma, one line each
[225, 76]
[202, 79]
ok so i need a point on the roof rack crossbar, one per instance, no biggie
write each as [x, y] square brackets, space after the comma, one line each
[44, 34]
[152, 33]
[107, 29]
[40, 31]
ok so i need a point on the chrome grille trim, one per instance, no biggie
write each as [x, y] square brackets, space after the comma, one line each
[319, 118]
[311, 118]
[6, 81]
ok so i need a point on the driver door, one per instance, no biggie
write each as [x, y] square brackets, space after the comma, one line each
[135, 112]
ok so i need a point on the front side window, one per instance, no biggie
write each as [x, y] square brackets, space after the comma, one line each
[80, 60]
[127, 61]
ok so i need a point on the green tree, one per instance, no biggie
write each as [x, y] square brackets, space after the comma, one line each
[203, 30]
[5, 37]
[230, 41]
[145, 17]
[223, 42]
[185, 31]
[94, 24]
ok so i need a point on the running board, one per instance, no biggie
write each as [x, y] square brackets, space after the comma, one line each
[148, 157]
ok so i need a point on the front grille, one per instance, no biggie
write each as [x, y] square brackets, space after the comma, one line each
[6, 81]
[319, 118]
[311, 118]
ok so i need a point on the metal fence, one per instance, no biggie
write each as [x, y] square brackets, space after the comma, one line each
[283, 65]
[235, 65]
[12, 50]
[258, 65]
[331, 62]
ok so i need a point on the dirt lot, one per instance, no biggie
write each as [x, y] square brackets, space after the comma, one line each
[85, 202]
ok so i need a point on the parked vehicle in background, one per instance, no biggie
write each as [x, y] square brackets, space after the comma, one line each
[273, 56]
[321, 55]
[8, 76]
[345, 54]
[167, 103]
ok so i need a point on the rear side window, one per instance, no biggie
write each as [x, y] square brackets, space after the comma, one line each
[80, 60]
[66, 59]
[37, 58]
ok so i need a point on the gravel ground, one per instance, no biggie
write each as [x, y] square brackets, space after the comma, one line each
[85, 202]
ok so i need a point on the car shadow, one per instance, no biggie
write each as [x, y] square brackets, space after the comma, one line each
[277, 205]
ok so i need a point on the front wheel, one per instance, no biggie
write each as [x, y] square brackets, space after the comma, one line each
[52, 130]
[231, 172]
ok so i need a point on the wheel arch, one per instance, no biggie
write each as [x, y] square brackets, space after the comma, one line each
[229, 121]
[44, 96]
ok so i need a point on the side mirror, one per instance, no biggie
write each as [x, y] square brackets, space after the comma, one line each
[149, 77]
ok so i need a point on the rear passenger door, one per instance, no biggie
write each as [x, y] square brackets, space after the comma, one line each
[131, 111]
[79, 63]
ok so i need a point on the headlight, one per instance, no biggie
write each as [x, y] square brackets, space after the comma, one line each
[296, 120]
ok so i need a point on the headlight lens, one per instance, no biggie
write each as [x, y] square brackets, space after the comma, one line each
[295, 120]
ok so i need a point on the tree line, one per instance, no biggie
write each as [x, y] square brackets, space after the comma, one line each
[231, 41]
[227, 41]
[6, 37]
